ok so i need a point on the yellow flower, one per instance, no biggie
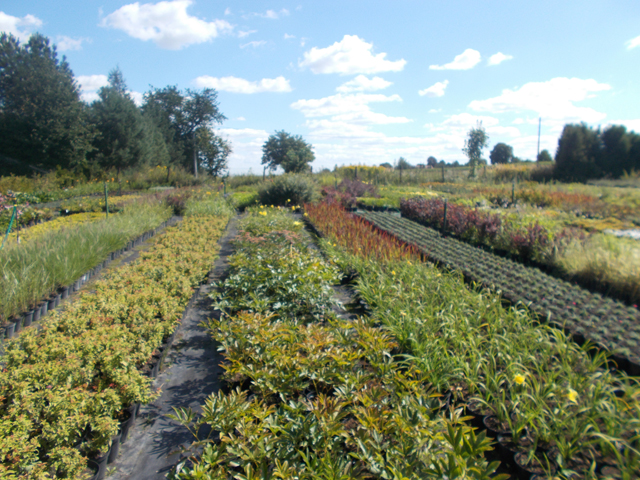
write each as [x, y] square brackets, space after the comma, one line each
[519, 379]
[288, 200]
[263, 213]
[297, 223]
[306, 214]
[572, 395]
[393, 272]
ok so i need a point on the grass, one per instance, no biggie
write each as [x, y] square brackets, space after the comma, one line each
[30, 272]
[605, 262]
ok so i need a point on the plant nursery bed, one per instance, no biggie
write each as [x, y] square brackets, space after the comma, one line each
[608, 323]
[191, 374]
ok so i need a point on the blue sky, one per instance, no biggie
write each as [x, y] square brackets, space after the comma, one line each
[364, 82]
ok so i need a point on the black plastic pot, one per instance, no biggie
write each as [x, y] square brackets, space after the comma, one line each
[115, 448]
[9, 330]
[44, 309]
[28, 318]
[65, 293]
[128, 424]
[56, 300]
[101, 461]
[17, 325]
[37, 312]
[51, 304]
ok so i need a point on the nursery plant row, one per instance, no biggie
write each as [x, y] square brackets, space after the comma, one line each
[68, 391]
[308, 393]
[589, 316]
[47, 305]
[34, 271]
[553, 408]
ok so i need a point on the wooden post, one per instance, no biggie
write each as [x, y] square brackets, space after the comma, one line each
[106, 200]
[442, 173]
[444, 220]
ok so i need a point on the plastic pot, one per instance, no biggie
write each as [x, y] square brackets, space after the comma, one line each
[101, 462]
[17, 325]
[56, 300]
[115, 448]
[51, 304]
[37, 312]
[65, 293]
[28, 318]
[9, 330]
[128, 424]
[44, 308]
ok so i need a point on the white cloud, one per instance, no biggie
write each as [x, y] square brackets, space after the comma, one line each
[270, 14]
[240, 85]
[435, 110]
[254, 44]
[364, 84]
[92, 83]
[89, 86]
[137, 97]
[245, 33]
[349, 56]
[288, 37]
[553, 100]
[498, 58]
[633, 43]
[630, 124]
[241, 119]
[466, 60]
[21, 28]
[341, 104]
[247, 148]
[166, 23]
[64, 43]
[227, 11]
[435, 90]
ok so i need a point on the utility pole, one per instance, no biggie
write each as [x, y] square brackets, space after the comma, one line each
[539, 123]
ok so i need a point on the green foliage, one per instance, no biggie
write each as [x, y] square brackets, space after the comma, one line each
[288, 151]
[476, 141]
[182, 119]
[501, 153]
[578, 153]
[124, 139]
[42, 120]
[544, 156]
[287, 190]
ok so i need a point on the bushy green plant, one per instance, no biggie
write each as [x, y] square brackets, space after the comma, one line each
[287, 190]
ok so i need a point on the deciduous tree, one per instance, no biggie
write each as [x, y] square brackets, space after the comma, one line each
[476, 141]
[501, 153]
[288, 151]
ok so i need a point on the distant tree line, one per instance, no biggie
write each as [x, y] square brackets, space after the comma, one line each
[44, 122]
[584, 152]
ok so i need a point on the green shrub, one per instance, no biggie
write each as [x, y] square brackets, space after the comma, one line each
[287, 190]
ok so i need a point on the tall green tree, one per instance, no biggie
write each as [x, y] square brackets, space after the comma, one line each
[180, 117]
[476, 141]
[288, 151]
[213, 152]
[501, 153]
[124, 139]
[42, 119]
[616, 155]
[578, 153]
[544, 156]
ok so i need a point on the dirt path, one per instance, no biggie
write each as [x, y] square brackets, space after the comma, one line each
[190, 375]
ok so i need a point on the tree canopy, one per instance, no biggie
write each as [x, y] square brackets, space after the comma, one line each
[432, 161]
[544, 156]
[288, 151]
[42, 119]
[476, 141]
[501, 153]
